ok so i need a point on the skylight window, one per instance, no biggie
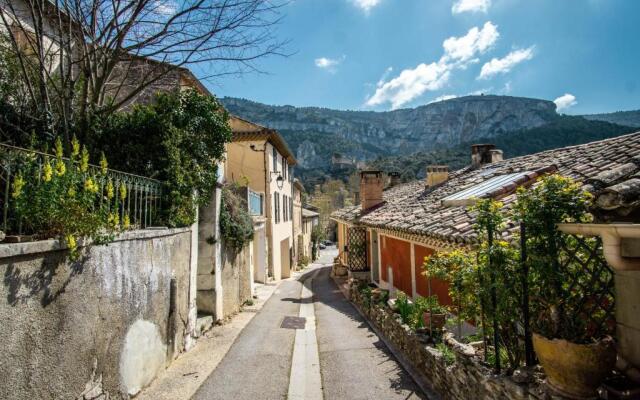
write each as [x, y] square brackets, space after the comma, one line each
[469, 196]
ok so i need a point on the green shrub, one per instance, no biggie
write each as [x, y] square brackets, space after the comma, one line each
[177, 139]
[236, 225]
[448, 354]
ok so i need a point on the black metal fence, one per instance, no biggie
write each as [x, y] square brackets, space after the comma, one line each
[141, 203]
[581, 260]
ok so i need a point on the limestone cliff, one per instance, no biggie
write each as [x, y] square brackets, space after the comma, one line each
[315, 133]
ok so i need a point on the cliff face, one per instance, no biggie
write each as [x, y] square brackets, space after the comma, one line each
[315, 133]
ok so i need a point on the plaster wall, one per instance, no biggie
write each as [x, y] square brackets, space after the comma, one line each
[106, 317]
[236, 279]
[281, 231]
[246, 166]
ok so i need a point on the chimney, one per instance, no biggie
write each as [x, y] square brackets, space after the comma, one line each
[483, 154]
[394, 178]
[496, 155]
[371, 185]
[436, 174]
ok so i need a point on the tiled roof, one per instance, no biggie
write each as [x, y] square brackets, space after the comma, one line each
[608, 168]
[244, 130]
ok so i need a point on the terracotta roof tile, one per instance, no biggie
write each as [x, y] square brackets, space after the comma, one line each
[609, 168]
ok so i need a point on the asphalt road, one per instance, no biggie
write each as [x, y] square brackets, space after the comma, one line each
[354, 363]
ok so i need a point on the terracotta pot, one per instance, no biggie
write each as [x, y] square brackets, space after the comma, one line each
[575, 370]
[437, 320]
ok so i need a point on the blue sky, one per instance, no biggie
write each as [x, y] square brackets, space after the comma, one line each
[386, 54]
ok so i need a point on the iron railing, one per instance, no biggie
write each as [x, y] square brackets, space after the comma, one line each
[142, 202]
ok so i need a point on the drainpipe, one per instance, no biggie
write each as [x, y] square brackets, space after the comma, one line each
[612, 235]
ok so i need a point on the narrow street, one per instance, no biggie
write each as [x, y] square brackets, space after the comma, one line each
[269, 361]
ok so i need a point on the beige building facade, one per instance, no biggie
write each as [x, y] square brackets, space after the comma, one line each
[259, 159]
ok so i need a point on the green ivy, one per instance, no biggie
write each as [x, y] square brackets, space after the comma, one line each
[236, 225]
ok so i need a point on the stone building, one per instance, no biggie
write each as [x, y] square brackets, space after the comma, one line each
[403, 224]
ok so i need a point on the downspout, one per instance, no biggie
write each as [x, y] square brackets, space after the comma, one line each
[612, 235]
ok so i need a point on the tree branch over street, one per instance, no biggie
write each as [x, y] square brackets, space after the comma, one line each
[81, 59]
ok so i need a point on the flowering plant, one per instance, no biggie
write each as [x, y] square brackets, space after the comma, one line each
[54, 196]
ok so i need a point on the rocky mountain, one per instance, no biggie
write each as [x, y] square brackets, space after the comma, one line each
[627, 118]
[316, 133]
[404, 140]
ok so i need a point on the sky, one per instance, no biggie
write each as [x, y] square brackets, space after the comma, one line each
[388, 54]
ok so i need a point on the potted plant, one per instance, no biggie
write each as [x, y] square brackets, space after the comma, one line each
[434, 315]
[576, 355]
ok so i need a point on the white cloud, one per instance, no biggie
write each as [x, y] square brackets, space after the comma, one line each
[476, 41]
[459, 52]
[505, 64]
[366, 5]
[329, 64]
[461, 6]
[565, 101]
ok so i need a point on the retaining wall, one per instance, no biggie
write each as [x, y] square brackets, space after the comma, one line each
[102, 325]
[465, 379]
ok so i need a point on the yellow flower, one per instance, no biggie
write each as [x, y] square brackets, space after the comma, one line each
[110, 190]
[84, 160]
[59, 151]
[75, 146]
[90, 186]
[103, 164]
[113, 219]
[126, 222]
[18, 184]
[60, 168]
[123, 192]
[71, 242]
[47, 171]
[71, 192]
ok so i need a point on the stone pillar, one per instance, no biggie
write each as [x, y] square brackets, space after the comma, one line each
[628, 316]
[189, 340]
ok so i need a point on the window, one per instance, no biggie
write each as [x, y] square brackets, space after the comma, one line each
[469, 196]
[284, 208]
[290, 173]
[284, 168]
[275, 159]
[276, 207]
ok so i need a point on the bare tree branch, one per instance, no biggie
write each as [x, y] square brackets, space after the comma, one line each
[93, 57]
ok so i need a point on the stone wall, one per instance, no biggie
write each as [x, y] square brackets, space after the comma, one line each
[465, 379]
[103, 325]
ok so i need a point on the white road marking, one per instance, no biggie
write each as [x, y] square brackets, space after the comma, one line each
[305, 382]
